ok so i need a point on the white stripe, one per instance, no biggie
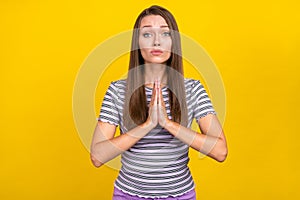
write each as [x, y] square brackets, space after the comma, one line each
[197, 106]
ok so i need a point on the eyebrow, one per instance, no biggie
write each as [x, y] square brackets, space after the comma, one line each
[163, 26]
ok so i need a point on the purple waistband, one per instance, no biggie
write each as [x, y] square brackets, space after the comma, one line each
[120, 195]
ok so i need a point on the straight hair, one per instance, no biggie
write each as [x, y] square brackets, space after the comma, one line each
[135, 107]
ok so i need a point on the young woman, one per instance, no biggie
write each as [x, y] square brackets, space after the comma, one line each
[154, 108]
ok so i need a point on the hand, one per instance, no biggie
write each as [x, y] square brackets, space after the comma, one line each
[162, 113]
[157, 108]
[153, 112]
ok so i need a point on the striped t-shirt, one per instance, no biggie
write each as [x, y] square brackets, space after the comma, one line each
[156, 166]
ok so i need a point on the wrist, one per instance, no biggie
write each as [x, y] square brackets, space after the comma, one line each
[170, 125]
[148, 125]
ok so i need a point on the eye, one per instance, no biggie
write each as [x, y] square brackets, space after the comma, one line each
[147, 35]
[167, 34]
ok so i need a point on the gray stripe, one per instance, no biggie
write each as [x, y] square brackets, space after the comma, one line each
[157, 164]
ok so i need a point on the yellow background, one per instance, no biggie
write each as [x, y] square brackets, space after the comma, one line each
[255, 45]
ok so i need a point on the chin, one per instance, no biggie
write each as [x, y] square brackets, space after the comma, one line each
[157, 61]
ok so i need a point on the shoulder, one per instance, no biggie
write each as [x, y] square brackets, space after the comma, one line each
[116, 89]
[192, 84]
[118, 85]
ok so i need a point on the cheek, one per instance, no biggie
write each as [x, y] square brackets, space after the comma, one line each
[144, 53]
[167, 44]
[145, 42]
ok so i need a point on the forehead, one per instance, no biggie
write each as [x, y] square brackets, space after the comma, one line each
[153, 21]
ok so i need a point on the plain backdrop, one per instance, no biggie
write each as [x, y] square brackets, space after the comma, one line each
[255, 45]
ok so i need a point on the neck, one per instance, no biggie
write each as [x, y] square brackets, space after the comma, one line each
[155, 72]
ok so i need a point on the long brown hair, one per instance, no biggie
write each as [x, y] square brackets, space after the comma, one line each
[135, 107]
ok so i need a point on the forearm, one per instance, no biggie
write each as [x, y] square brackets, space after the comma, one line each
[209, 144]
[108, 149]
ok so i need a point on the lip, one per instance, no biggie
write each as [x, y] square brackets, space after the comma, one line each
[156, 52]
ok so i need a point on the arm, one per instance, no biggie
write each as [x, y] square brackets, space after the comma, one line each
[105, 146]
[211, 142]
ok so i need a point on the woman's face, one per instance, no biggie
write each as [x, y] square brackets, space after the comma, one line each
[154, 39]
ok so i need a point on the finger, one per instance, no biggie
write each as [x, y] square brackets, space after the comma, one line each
[156, 98]
[153, 99]
[159, 96]
[156, 92]
[161, 99]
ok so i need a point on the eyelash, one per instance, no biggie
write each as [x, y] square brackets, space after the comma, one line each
[166, 33]
[147, 35]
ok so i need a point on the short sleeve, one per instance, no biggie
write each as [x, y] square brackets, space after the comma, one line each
[109, 111]
[203, 105]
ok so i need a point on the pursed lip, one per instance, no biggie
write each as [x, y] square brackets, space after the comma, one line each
[156, 52]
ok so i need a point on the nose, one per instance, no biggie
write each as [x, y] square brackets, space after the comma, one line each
[156, 40]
